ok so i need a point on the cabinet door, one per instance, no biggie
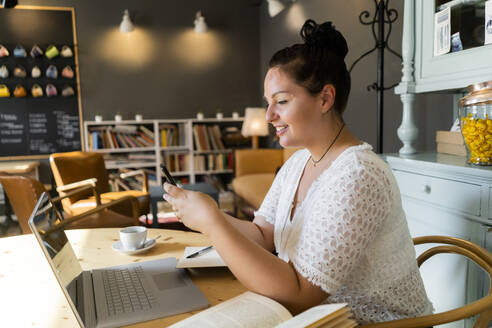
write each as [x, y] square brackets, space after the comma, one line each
[445, 275]
[449, 71]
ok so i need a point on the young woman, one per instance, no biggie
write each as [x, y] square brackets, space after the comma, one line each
[333, 214]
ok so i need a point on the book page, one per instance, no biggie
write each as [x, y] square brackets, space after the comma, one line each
[316, 316]
[248, 310]
[208, 259]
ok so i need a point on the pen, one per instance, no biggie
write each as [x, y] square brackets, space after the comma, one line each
[200, 252]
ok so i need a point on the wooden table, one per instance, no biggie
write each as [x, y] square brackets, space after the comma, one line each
[30, 295]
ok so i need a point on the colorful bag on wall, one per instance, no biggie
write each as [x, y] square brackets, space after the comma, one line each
[20, 52]
[36, 91]
[19, 71]
[51, 90]
[3, 51]
[66, 52]
[67, 72]
[36, 72]
[52, 72]
[4, 91]
[4, 72]
[68, 91]
[51, 52]
[20, 91]
[36, 51]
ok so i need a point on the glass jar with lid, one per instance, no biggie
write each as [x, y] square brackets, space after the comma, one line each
[475, 110]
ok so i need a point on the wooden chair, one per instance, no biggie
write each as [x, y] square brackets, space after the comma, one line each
[481, 307]
[75, 169]
[24, 192]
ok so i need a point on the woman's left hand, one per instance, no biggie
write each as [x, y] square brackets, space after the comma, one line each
[198, 211]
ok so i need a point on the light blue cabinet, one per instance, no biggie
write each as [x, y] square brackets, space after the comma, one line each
[442, 195]
[424, 72]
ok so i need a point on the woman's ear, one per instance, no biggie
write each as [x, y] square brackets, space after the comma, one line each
[327, 97]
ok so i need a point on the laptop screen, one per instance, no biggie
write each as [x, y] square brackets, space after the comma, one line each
[54, 242]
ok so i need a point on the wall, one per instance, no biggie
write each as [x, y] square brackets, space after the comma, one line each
[163, 69]
[433, 111]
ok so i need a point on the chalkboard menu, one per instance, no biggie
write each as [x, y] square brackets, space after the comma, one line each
[34, 127]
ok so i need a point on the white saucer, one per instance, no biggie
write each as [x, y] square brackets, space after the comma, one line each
[118, 246]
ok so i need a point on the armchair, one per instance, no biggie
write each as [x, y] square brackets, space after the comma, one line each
[24, 192]
[255, 170]
[75, 169]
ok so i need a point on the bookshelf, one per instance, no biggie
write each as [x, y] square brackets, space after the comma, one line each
[192, 149]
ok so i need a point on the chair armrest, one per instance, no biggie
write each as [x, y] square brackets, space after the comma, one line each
[252, 161]
[85, 184]
[71, 193]
[78, 184]
[145, 185]
[99, 208]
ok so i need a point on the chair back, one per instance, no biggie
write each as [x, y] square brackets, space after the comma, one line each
[481, 307]
[23, 193]
[77, 166]
[254, 161]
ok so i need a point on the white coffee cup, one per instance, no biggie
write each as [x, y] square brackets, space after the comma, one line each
[133, 237]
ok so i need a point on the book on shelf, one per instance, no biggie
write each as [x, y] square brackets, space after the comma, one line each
[207, 137]
[253, 310]
[144, 156]
[210, 134]
[177, 162]
[198, 145]
[202, 137]
[172, 135]
[135, 182]
[119, 136]
[209, 162]
[218, 137]
[147, 131]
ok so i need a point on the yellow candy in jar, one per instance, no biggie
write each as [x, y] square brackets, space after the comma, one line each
[478, 136]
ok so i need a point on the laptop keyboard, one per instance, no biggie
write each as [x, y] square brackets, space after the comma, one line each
[125, 292]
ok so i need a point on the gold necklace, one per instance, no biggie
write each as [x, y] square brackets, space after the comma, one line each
[329, 147]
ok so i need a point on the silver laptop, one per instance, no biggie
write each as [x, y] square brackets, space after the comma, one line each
[112, 296]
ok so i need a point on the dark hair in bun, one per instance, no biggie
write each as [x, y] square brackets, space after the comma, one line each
[318, 61]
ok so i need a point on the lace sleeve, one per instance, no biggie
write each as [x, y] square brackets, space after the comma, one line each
[346, 214]
[268, 207]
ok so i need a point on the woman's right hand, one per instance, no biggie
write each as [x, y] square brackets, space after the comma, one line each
[198, 211]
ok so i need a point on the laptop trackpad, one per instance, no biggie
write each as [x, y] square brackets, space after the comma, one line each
[168, 280]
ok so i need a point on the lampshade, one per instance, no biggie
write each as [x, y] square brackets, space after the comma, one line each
[126, 23]
[255, 123]
[275, 7]
[200, 24]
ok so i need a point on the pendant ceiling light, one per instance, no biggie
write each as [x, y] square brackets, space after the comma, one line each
[275, 7]
[200, 24]
[126, 25]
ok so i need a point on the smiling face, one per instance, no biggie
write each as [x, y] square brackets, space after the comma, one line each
[292, 110]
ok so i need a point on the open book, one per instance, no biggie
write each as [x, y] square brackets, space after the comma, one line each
[253, 310]
[209, 259]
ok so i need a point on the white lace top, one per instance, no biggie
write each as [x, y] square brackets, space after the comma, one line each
[349, 236]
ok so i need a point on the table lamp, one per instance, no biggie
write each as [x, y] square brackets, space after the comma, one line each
[255, 124]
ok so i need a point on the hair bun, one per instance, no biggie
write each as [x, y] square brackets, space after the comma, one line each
[324, 36]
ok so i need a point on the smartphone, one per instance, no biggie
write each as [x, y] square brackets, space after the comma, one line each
[169, 178]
